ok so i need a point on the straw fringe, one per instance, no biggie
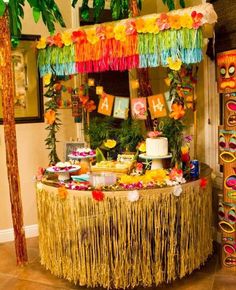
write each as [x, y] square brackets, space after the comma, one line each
[116, 243]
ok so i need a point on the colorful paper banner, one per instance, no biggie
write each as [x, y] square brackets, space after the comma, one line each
[139, 108]
[106, 104]
[157, 106]
[121, 107]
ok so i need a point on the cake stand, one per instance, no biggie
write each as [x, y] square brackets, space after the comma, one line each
[156, 160]
[63, 174]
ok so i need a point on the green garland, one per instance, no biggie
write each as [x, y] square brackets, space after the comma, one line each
[54, 123]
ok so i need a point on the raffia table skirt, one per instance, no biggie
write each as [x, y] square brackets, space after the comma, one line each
[118, 243]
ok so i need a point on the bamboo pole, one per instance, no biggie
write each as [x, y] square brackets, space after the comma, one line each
[7, 92]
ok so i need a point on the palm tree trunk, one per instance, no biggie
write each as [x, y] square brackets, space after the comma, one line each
[7, 91]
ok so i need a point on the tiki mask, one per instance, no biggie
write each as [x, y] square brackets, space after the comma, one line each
[227, 217]
[229, 252]
[227, 146]
[226, 71]
[230, 111]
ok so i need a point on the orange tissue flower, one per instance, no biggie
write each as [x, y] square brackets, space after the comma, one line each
[50, 116]
[62, 192]
[57, 40]
[140, 25]
[177, 111]
[174, 21]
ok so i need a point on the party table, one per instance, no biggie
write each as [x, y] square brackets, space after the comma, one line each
[120, 243]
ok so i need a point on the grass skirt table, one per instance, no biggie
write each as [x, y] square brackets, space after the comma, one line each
[118, 243]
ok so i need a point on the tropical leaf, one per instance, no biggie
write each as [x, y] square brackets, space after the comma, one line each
[36, 14]
[98, 6]
[85, 10]
[115, 9]
[74, 2]
[2, 7]
[182, 3]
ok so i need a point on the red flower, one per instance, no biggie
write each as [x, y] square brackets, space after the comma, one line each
[203, 182]
[197, 19]
[98, 195]
[79, 36]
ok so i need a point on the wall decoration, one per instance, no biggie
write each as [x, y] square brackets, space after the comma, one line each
[121, 108]
[139, 108]
[227, 146]
[106, 104]
[157, 106]
[230, 110]
[28, 102]
[76, 106]
[226, 71]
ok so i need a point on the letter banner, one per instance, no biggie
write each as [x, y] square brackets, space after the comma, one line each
[139, 108]
[157, 106]
[106, 104]
[121, 108]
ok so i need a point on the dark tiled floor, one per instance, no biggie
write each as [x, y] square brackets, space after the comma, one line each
[33, 276]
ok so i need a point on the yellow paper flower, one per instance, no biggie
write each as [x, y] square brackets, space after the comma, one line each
[151, 26]
[110, 143]
[119, 32]
[47, 79]
[184, 149]
[186, 21]
[91, 36]
[142, 147]
[174, 64]
[41, 43]
[174, 21]
[157, 175]
[66, 38]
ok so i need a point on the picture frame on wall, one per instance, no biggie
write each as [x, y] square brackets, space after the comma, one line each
[28, 99]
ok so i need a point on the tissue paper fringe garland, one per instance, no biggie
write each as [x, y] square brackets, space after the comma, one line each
[139, 42]
[118, 243]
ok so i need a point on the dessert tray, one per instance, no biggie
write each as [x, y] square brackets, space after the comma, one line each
[63, 170]
[81, 153]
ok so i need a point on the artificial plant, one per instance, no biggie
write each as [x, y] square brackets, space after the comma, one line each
[171, 4]
[127, 134]
[47, 9]
[119, 8]
[53, 121]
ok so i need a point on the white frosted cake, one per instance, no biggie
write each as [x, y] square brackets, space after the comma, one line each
[157, 146]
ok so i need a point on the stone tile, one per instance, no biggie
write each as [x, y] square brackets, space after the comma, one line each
[224, 282]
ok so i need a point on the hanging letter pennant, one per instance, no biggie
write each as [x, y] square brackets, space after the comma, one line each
[157, 106]
[121, 108]
[139, 108]
[105, 104]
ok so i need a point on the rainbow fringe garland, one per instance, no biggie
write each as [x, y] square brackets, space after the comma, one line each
[137, 51]
[146, 41]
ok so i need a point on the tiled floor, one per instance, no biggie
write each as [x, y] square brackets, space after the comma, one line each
[34, 276]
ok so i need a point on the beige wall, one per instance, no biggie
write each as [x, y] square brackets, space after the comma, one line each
[30, 137]
[30, 141]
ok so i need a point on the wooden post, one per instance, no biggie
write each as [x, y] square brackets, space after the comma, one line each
[7, 92]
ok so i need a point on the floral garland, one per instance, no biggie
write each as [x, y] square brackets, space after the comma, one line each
[135, 42]
[51, 117]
